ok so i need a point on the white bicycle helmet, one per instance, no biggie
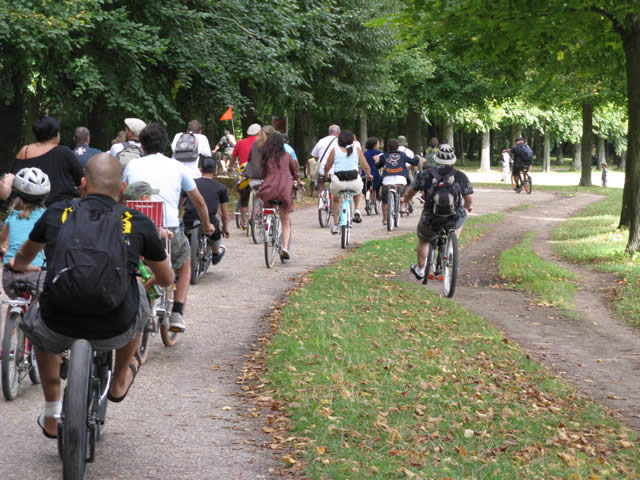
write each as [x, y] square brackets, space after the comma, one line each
[32, 184]
[445, 154]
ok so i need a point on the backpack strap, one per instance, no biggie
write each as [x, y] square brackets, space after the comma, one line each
[327, 149]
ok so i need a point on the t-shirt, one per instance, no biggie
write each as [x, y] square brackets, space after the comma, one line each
[243, 148]
[289, 149]
[62, 167]
[142, 240]
[321, 152]
[424, 180]
[84, 152]
[204, 150]
[214, 193]
[227, 143]
[407, 151]
[19, 230]
[167, 175]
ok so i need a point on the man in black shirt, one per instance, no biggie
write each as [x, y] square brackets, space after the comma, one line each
[215, 195]
[53, 330]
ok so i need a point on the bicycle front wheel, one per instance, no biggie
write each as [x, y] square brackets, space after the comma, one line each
[528, 186]
[257, 222]
[12, 352]
[324, 209]
[450, 264]
[75, 404]
[391, 199]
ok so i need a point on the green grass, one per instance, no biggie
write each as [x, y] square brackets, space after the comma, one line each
[592, 238]
[551, 284]
[384, 379]
[522, 206]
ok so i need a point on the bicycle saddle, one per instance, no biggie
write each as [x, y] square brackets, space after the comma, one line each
[276, 202]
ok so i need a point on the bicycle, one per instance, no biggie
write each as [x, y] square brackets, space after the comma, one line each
[445, 250]
[242, 182]
[272, 233]
[18, 354]
[346, 220]
[325, 204]
[523, 180]
[160, 307]
[256, 222]
[84, 406]
[393, 207]
[372, 202]
[200, 252]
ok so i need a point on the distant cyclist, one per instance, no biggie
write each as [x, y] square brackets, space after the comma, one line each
[321, 152]
[202, 143]
[450, 184]
[522, 159]
[372, 146]
[227, 143]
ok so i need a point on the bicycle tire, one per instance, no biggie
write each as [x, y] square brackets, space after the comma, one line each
[270, 242]
[103, 375]
[145, 342]
[11, 357]
[169, 338]
[194, 245]
[257, 222]
[324, 211]
[367, 205]
[450, 266]
[390, 210]
[344, 240]
[396, 213]
[528, 185]
[377, 204]
[238, 215]
[75, 430]
[34, 372]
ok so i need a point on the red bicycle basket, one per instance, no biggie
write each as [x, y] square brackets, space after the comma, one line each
[154, 210]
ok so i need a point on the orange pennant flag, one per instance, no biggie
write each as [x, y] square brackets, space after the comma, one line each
[228, 115]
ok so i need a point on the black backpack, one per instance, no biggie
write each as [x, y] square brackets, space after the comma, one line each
[525, 153]
[444, 196]
[88, 273]
[186, 148]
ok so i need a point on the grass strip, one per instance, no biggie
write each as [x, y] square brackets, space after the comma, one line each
[386, 379]
[592, 238]
[553, 285]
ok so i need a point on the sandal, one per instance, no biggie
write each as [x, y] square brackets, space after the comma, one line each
[135, 370]
[40, 421]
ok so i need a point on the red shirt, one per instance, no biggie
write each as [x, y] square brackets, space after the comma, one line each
[242, 149]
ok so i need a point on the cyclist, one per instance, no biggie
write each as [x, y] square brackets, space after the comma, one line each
[215, 195]
[522, 158]
[227, 143]
[32, 187]
[321, 152]
[52, 329]
[429, 223]
[395, 173]
[247, 154]
[204, 149]
[170, 176]
[344, 161]
[430, 153]
[372, 146]
[278, 172]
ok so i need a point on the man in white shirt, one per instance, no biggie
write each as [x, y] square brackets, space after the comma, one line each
[404, 148]
[204, 148]
[170, 177]
[321, 153]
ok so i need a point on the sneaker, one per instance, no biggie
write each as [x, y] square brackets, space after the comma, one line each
[285, 254]
[417, 271]
[356, 216]
[335, 229]
[216, 257]
[176, 322]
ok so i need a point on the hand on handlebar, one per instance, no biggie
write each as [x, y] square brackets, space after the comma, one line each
[225, 232]
[209, 229]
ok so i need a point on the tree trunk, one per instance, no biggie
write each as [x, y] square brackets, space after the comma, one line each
[362, 136]
[303, 135]
[413, 129]
[630, 215]
[485, 156]
[516, 131]
[587, 141]
[537, 147]
[547, 152]
[560, 157]
[99, 125]
[602, 152]
[623, 159]
[447, 134]
[577, 156]
[460, 148]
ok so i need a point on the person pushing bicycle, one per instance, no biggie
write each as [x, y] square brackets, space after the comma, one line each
[54, 322]
[448, 197]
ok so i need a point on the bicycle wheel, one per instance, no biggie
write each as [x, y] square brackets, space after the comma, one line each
[391, 198]
[169, 338]
[450, 264]
[377, 203]
[257, 222]
[12, 352]
[396, 214]
[75, 404]
[236, 213]
[103, 375]
[34, 373]
[324, 209]
[428, 263]
[367, 206]
[270, 240]
[528, 186]
[145, 340]
[194, 235]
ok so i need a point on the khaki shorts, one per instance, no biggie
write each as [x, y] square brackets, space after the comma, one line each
[180, 249]
[50, 341]
[428, 229]
[338, 185]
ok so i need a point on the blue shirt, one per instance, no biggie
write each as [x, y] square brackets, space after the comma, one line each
[19, 230]
[289, 149]
[368, 155]
[84, 152]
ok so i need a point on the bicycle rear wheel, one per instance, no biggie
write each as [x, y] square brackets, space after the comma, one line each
[238, 215]
[12, 353]
[391, 198]
[450, 264]
[324, 209]
[196, 260]
[75, 431]
[257, 222]
[145, 340]
[270, 240]
[169, 338]
[528, 186]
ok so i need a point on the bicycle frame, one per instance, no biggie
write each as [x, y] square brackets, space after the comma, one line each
[345, 209]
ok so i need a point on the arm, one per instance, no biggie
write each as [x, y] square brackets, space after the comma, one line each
[409, 193]
[201, 207]
[26, 254]
[224, 213]
[364, 165]
[4, 236]
[379, 160]
[5, 186]
[162, 271]
[294, 169]
[329, 164]
[468, 202]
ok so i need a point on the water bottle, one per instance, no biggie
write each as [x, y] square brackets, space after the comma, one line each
[152, 291]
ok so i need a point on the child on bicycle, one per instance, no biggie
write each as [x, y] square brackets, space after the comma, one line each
[32, 187]
[444, 181]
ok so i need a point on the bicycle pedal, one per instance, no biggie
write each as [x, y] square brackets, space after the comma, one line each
[176, 329]
[441, 277]
[431, 276]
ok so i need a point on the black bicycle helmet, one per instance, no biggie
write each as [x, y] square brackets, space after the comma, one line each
[32, 185]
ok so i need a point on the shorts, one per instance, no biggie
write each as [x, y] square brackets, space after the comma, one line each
[428, 229]
[384, 193]
[8, 277]
[244, 196]
[50, 341]
[180, 250]
[338, 185]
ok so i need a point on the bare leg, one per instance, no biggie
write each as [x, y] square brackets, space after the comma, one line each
[356, 201]
[243, 215]
[423, 250]
[384, 213]
[286, 229]
[337, 204]
[49, 368]
[122, 374]
[184, 278]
